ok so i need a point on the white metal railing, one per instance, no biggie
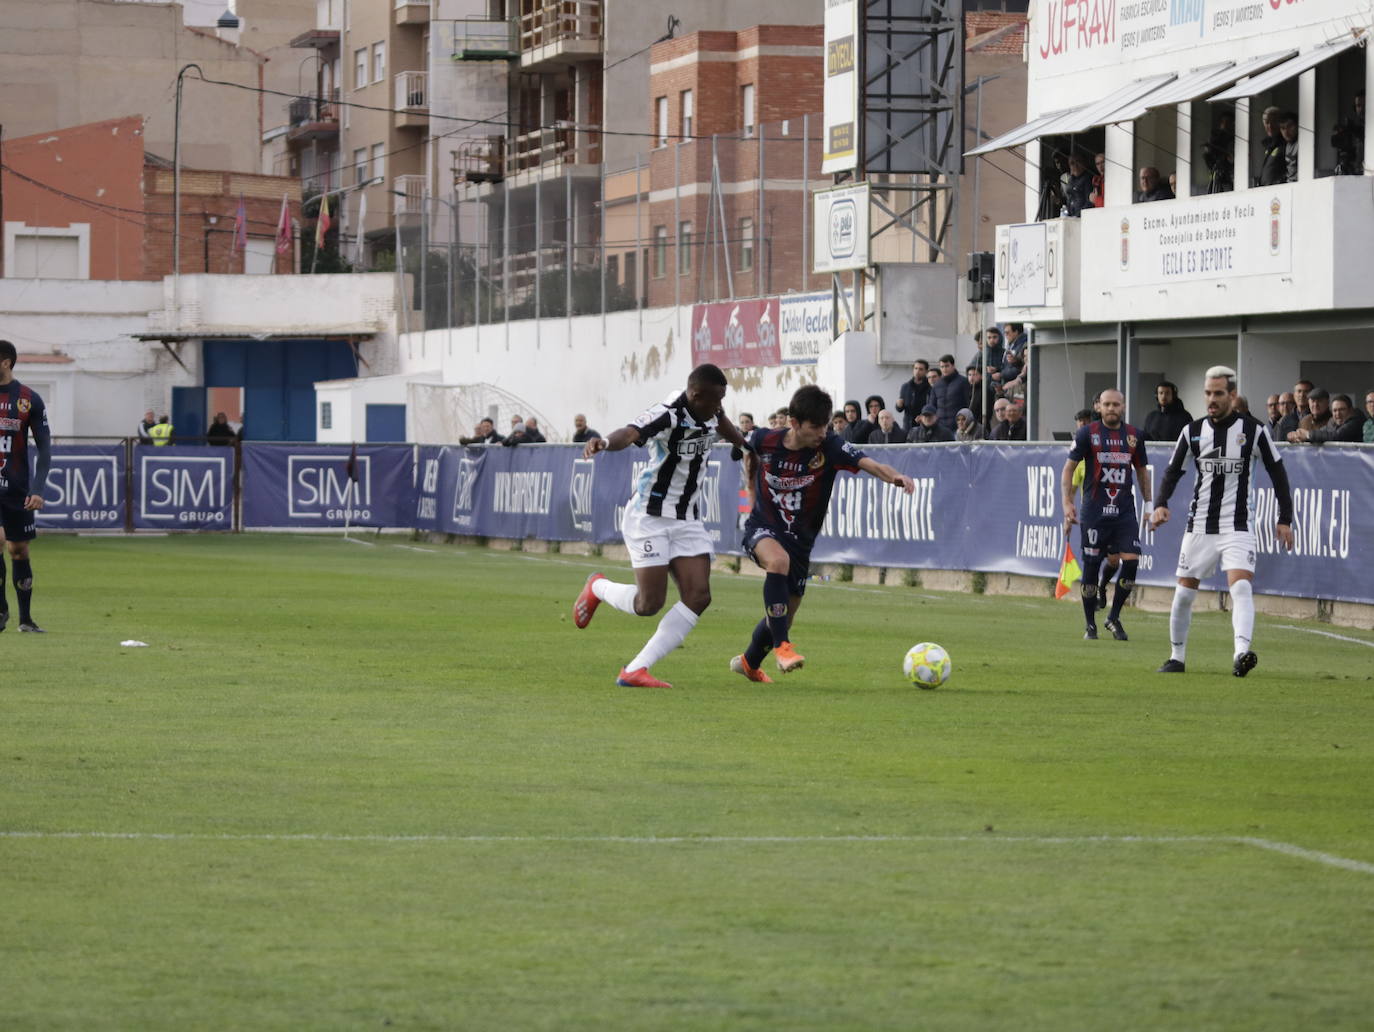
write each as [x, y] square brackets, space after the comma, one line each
[403, 4]
[555, 21]
[412, 201]
[412, 90]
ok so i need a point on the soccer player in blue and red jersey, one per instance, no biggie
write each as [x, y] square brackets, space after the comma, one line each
[793, 470]
[21, 413]
[1111, 451]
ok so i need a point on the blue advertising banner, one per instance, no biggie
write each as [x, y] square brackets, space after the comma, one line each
[307, 486]
[187, 487]
[85, 488]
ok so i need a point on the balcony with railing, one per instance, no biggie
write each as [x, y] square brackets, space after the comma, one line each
[412, 100]
[551, 150]
[408, 195]
[1291, 247]
[313, 118]
[412, 12]
[561, 32]
[482, 39]
[480, 161]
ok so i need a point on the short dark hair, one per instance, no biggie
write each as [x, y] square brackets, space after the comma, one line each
[1288, 116]
[7, 351]
[947, 358]
[707, 374]
[1304, 383]
[922, 361]
[1168, 383]
[1318, 394]
[746, 415]
[810, 404]
[1018, 327]
[1083, 414]
[1343, 397]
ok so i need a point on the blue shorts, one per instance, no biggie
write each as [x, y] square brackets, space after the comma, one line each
[799, 564]
[1111, 537]
[18, 522]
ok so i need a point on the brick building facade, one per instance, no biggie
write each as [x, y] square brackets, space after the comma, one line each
[89, 202]
[737, 102]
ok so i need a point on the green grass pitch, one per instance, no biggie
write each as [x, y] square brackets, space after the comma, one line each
[353, 786]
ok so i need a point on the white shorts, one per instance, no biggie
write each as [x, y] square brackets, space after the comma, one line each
[1199, 553]
[657, 540]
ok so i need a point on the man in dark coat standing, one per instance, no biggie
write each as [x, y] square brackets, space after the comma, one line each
[950, 393]
[1169, 418]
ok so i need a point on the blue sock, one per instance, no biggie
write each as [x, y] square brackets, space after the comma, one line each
[23, 587]
[1124, 584]
[775, 606]
[760, 645]
[1088, 588]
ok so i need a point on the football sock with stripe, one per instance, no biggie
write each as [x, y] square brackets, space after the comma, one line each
[1242, 614]
[775, 605]
[1107, 570]
[23, 588]
[1180, 619]
[676, 624]
[1087, 587]
[760, 645]
[621, 596]
[1124, 584]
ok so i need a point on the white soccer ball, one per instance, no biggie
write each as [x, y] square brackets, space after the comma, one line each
[927, 665]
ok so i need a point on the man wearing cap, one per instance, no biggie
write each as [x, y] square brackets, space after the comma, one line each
[928, 429]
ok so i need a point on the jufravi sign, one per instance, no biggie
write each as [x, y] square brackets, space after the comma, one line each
[1076, 35]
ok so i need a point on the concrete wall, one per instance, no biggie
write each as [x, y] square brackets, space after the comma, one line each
[349, 400]
[112, 378]
[67, 62]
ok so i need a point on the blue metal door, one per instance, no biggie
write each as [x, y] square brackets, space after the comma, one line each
[278, 378]
[188, 412]
[386, 423]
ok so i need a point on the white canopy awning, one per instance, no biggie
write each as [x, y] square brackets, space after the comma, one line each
[1294, 66]
[1201, 82]
[1076, 119]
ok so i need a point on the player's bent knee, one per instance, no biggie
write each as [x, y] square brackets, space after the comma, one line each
[1088, 589]
[648, 605]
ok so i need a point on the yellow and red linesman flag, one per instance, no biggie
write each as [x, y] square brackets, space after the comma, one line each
[1069, 571]
[323, 223]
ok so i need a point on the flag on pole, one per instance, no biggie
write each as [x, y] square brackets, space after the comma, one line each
[1069, 571]
[241, 227]
[352, 468]
[323, 223]
[284, 227]
[362, 225]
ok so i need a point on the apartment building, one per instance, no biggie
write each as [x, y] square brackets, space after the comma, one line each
[575, 75]
[366, 118]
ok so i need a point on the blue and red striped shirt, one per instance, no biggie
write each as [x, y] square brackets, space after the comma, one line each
[792, 488]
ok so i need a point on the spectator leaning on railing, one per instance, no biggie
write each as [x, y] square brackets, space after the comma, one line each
[1319, 414]
[1345, 426]
[1368, 435]
[887, 430]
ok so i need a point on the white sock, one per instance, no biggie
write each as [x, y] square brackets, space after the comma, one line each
[1242, 614]
[622, 596]
[672, 629]
[1180, 618]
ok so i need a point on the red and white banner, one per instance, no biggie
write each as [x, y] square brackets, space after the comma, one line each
[733, 334]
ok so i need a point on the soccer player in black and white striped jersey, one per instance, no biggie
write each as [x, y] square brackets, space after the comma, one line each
[663, 528]
[1224, 447]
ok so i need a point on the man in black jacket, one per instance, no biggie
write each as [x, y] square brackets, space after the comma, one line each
[484, 433]
[1167, 421]
[928, 430]
[950, 393]
[1013, 428]
[914, 394]
[1346, 425]
[582, 433]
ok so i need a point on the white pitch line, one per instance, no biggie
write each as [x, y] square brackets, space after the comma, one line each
[359, 541]
[1325, 634]
[412, 548]
[1267, 845]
